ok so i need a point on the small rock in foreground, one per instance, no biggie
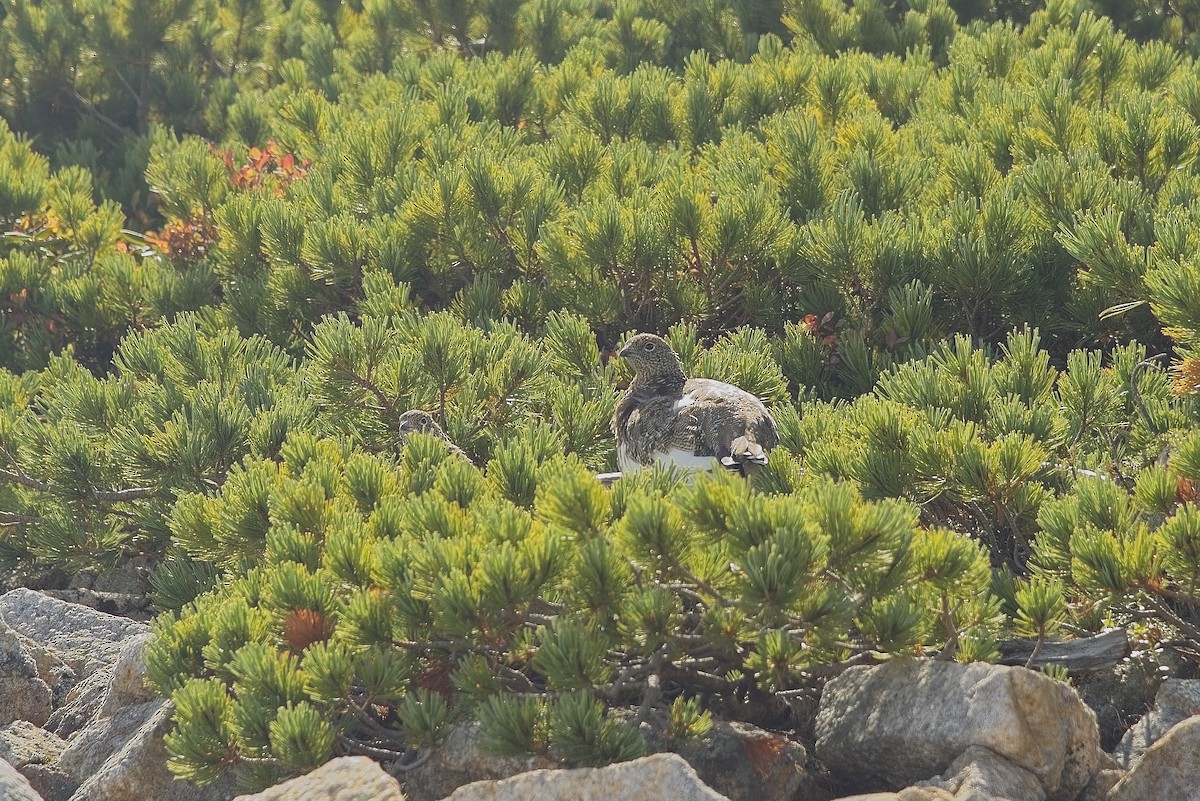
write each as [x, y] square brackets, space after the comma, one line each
[34, 753]
[344, 779]
[14, 786]
[652, 778]
[980, 773]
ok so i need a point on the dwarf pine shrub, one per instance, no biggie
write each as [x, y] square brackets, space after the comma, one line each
[952, 244]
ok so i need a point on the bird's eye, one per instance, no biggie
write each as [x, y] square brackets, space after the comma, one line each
[648, 346]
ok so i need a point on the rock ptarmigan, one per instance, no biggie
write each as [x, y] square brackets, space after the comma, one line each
[667, 417]
[415, 420]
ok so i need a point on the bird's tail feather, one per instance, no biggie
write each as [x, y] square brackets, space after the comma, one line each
[745, 456]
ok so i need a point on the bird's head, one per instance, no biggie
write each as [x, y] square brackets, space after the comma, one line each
[652, 358]
[419, 420]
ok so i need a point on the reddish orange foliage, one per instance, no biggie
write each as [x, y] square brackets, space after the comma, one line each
[824, 328]
[185, 240]
[763, 752]
[264, 163]
[303, 627]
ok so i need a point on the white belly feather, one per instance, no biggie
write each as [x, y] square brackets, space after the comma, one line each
[679, 457]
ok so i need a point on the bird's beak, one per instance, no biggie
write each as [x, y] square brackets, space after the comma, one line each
[625, 351]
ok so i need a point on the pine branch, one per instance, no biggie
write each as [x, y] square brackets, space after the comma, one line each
[692, 578]
[614, 692]
[834, 669]
[23, 479]
[1168, 614]
[697, 679]
[516, 678]
[653, 691]
[946, 617]
[1036, 652]
[90, 108]
[386, 406]
[359, 747]
[13, 519]
[1136, 395]
[371, 723]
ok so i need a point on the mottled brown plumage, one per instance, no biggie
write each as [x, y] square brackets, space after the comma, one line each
[665, 416]
[415, 420]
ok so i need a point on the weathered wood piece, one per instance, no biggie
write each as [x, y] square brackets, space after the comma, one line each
[1077, 656]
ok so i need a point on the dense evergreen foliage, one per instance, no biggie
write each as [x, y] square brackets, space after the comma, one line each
[954, 245]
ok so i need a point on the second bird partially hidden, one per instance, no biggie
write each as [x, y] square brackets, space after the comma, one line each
[421, 421]
[667, 417]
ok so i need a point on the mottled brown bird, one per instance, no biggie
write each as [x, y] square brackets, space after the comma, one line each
[420, 420]
[667, 417]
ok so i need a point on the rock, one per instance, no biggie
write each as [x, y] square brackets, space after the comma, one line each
[980, 773]
[82, 704]
[33, 751]
[899, 723]
[1168, 771]
[1100, 785]
[743, 762]
[137, 767]
[1177, 700]
[128, 685]
[124, 605]
[738, 760]
[1119, 696]
[49, 782]
[460, 761]
[344, 779]
[22, 743]
[91, 748]
[907, 794]
[652, 778]
[51, 669]
[14, 786]
[129, 577]
[86, 639]
[23, 694]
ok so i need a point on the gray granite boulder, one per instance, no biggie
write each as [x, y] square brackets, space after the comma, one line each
[136, 767]
[652, 778]
[743, 762]
[343, 779]
[1168, 771]
[1176, 700]
[85, 639]
[891, 726]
